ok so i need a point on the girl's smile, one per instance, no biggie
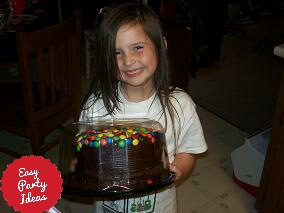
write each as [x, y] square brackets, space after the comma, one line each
[133, 73]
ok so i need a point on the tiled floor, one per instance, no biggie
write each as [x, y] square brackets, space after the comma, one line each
[210, 188]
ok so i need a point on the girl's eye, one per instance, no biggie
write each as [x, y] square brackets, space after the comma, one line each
[138, 47]
[117, 52]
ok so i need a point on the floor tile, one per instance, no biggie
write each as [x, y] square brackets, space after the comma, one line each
[211, 207]
[211, 123]
[15, 143]
[212, 181]
[53, 155]
[237, 200]
[4, 206]
[189, 197]
[219, 150]
[5, 160]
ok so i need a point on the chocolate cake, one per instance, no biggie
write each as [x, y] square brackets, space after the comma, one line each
[121, 157]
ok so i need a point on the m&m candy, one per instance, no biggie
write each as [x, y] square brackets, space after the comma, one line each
[121, 137]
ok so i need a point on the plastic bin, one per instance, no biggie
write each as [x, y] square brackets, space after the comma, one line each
[248, 161]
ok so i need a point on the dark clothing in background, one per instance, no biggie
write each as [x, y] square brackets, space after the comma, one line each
[214, 16]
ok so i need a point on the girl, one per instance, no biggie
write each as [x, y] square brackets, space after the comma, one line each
[132, 80]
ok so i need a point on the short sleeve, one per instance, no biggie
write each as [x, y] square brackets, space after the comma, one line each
[191, 138]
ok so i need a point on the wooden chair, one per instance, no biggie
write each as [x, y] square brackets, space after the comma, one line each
[49, 91]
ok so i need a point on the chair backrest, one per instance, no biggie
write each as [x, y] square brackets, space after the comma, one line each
[50, 64]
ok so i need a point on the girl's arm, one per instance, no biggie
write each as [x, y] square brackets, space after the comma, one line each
[182, 165]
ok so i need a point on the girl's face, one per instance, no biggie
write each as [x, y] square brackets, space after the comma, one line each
[136, 57]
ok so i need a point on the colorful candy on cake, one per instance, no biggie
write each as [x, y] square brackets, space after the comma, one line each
[121, 137]
[119, 158]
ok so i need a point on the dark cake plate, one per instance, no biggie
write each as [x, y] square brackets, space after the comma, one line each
[117, 191]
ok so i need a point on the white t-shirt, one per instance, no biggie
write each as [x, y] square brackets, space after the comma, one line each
[190, 139]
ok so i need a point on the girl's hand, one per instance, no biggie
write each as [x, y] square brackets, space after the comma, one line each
[182, 166]
[176, 170]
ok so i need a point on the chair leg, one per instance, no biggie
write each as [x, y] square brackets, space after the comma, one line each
[35, 143]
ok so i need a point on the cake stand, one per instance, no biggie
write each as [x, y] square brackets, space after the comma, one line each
[117, 191]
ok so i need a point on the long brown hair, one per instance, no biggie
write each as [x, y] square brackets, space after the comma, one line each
[105, 82]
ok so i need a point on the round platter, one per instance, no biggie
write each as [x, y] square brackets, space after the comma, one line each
[116, 191]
